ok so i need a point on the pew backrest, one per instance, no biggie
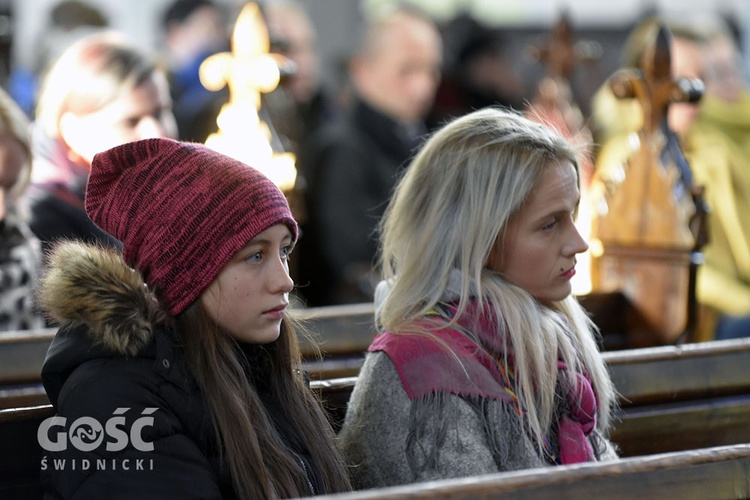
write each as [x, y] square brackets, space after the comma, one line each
[720, 472]
[675, 373]
[342, 334]
[22, 354]
[681, 397]
[20, 452]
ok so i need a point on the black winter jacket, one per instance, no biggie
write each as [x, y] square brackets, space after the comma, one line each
[136, 424]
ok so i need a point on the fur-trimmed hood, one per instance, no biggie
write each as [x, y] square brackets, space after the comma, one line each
[91, 286]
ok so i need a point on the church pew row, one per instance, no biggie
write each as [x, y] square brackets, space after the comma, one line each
[664, 375]
[673, 398]
[669, 394]
[342, 333]
[712, 473]
[345, 332]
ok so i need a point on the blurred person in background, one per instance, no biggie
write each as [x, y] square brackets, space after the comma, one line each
[301, 104]
[711, 138]
[193, 30]
[100, 93]
[717, 145]
[68, 21]
[20, 251]
[726, 102]
[480, 72]
[353, 164]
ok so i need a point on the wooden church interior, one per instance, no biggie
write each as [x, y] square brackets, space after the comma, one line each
[683, 423]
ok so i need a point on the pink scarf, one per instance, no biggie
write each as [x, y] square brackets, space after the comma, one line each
[580, 419]
[425, 367]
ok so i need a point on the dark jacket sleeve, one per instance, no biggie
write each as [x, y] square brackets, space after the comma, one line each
[347, 204]
[52, 220]
[158, 458]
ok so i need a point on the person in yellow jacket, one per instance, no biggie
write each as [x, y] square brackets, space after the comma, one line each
[717, 145]
[715, 138]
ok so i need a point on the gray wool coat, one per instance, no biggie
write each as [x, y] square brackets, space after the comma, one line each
[459, 437]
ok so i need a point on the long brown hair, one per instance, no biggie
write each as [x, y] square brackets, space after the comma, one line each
[260, 463]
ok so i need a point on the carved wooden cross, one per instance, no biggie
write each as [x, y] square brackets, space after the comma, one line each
[653, 226]
[554, 103]
[652, 206]
[653, 85]
[561, 54]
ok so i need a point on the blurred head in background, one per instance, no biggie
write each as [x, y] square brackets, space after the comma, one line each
[398, 67]
[102, 92]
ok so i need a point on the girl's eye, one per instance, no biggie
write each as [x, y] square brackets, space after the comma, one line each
[286, 251]
[255, 257]
[549, 226]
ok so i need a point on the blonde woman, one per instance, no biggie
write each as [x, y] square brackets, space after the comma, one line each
[485, 362]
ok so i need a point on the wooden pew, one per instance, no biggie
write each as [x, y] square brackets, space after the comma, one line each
[20, 453]
[717, 472]
[673, 398]
[708, 380]
[720, 472]
[21, 357]
[669, 395]
[343, 334]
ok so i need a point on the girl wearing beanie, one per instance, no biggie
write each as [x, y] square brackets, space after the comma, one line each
[485, 362]
[175, 368]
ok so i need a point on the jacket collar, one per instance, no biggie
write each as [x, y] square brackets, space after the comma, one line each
[104, 310]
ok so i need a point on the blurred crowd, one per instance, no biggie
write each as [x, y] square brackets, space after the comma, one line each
[92, 88]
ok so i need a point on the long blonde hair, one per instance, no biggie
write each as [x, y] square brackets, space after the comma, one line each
[452, 205]
[261, 465]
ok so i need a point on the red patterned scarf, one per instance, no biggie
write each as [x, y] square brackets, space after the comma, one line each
[425, 366]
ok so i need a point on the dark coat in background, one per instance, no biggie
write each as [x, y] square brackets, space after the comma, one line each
[55, 198]
[351, 168]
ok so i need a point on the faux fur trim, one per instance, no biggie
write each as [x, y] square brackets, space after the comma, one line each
[91, 285]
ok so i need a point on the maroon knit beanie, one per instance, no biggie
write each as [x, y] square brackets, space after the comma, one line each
[181, 210]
